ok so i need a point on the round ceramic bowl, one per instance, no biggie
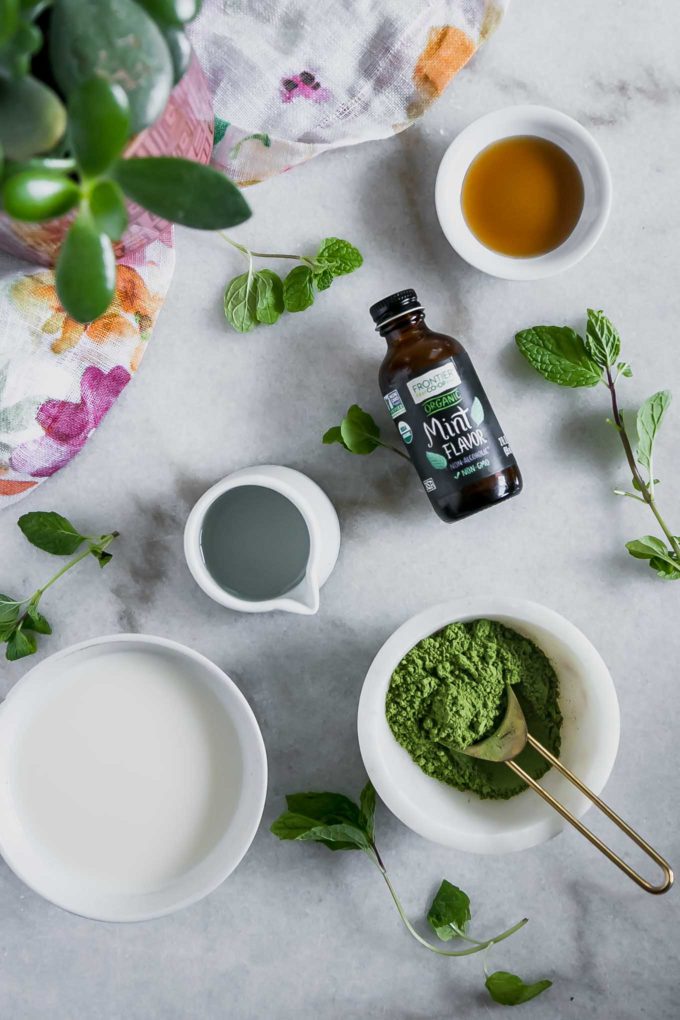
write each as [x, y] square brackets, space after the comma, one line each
[543, 122]
[167, 842]
[590, 735]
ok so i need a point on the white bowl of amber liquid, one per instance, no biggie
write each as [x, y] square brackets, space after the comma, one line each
[458, 818]
[523, 193]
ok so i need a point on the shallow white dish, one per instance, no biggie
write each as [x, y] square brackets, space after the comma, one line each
[543, 122]
[113, 809]
[590, 734]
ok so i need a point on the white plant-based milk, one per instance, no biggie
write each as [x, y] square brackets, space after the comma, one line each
[129, 772]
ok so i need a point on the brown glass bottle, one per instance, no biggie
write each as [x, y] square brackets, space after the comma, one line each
[442, 413]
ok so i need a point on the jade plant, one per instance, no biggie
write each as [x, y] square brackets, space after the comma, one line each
[78, 78]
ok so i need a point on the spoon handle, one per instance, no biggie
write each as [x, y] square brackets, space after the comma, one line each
[599, 803]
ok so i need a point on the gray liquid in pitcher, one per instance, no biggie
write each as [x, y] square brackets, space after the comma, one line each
[255, 543]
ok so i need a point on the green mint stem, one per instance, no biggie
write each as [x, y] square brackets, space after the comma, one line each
[102, 544]
[388, 446]
[478, 947]
[257, 254]
[647, 496]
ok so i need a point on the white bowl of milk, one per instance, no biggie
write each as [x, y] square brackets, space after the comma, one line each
[134, 777]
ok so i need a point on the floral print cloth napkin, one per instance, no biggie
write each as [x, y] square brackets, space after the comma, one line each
[59, 378]
[289, 80]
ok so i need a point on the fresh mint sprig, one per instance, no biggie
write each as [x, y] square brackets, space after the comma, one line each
[358, 433]
[20, 619]
[564, 357]
[259, 297]
[338, 823]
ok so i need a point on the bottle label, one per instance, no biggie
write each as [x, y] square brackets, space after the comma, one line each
[449, 428]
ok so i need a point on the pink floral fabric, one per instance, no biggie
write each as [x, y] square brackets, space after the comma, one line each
[60, 378]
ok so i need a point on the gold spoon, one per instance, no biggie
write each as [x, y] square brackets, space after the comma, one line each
[511, 737]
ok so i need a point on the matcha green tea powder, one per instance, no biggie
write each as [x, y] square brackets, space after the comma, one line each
[450, 690]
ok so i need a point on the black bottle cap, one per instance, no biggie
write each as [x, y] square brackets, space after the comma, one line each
[393, 306]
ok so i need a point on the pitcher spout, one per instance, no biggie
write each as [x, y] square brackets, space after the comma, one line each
[304, 598]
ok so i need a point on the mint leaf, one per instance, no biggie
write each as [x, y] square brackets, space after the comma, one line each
[9, 609]
[102, 557]
[339, 256]
[20, 645]
[359, 432]
[559, 354]
[240, 303]
[367, 805]
[298, 292]
[268, 296]
[36, 621]
[51, 532]
[324, 279]
[646, 547]
[339, 836]
[327, 808]
[510, 990]
[624, 368]
[602, 340]
[661, 559]
[668, 569]
[649, 419]
[333, 435]
[449, 914]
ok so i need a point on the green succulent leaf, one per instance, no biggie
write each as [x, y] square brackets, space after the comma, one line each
[240, 303]
[359, 431]
[19, 645]
[99, 124]
[560, 355]
[180, 51]
[115, 40]
[649, 419]
[449, 914]
[37, 195]
[32, 117]
[86, 270]
[50, 532]
[339, 256]
[171, 12]
[298, 292]
[9, 19]
[107, 207]
[182, 191]
[602, 340]
[509, 990]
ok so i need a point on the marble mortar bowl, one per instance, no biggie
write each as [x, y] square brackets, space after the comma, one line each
[461, 820]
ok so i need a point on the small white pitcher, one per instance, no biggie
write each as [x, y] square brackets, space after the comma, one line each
[324, 538]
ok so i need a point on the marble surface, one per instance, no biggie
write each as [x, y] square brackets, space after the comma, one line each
[296, 931]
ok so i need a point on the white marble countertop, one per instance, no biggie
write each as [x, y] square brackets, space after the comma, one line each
[296, 931]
